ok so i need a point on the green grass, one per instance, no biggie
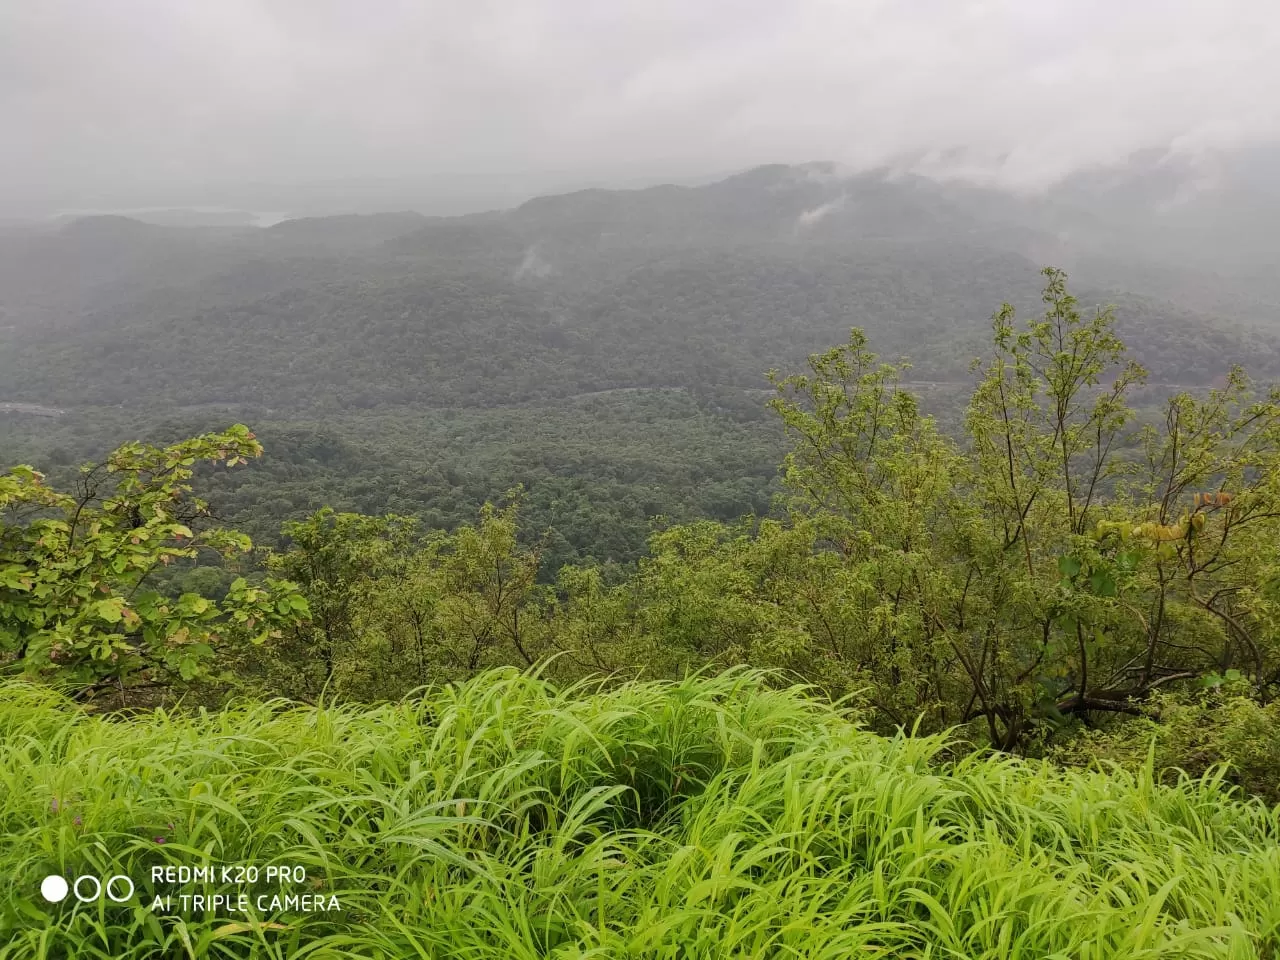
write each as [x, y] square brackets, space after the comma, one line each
[710, 818]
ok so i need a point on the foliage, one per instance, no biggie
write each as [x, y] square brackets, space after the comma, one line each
[596, 469]
[1064, 559]
[405, 365]
[704, 818]
[1222, 729]
[700, 289]
[394, 610]
[1069, 565]
[333, 557]
[1039, 570]
[75, 604]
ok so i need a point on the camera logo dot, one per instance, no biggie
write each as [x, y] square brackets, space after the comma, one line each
[87, 889]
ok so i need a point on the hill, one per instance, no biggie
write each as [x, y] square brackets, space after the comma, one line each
[695, 287]
[374, 331]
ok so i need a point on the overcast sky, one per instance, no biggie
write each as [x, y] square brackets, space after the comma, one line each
[158, 102]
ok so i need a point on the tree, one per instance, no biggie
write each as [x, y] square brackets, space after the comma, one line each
[1065, 560]
[879, 488]
[1210, 536]
[394, 609]
[77, 601]
[334, 557]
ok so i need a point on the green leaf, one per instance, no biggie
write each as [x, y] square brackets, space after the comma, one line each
[109, 610]
[1103, 583]
[1068, 566]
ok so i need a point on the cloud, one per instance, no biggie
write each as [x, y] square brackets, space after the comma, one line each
[532, 265]
[169, 101]
[809, 217]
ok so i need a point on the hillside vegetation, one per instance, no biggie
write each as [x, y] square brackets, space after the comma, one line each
[706, 818]
[410, 364]
[613, 597]
[700, 288]
[1064, 572]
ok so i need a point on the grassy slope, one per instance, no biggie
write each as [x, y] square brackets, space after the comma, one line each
[706, 819]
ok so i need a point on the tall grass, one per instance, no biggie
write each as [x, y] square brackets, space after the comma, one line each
[708, 818]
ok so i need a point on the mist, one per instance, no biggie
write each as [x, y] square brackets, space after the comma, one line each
[327, 105]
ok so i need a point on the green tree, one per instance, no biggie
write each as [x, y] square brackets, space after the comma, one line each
[334, 557]
[1063, 561]
[462, 602]
[876, 483]
[394, 609]
[77, 605]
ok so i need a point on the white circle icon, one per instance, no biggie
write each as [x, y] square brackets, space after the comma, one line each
[54, 888]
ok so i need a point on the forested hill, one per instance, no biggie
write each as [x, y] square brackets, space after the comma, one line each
[607, 349]
[697, 287]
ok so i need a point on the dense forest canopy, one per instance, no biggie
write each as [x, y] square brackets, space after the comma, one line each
[604, 349]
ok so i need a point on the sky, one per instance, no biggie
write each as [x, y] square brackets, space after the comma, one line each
[472, 103]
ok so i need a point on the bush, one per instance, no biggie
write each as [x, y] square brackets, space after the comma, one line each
[1194, 736]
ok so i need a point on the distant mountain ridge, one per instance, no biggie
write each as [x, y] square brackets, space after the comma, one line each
[1216, 213]
[699, 286]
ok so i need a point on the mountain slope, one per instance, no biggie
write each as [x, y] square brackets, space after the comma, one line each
[698, 287]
